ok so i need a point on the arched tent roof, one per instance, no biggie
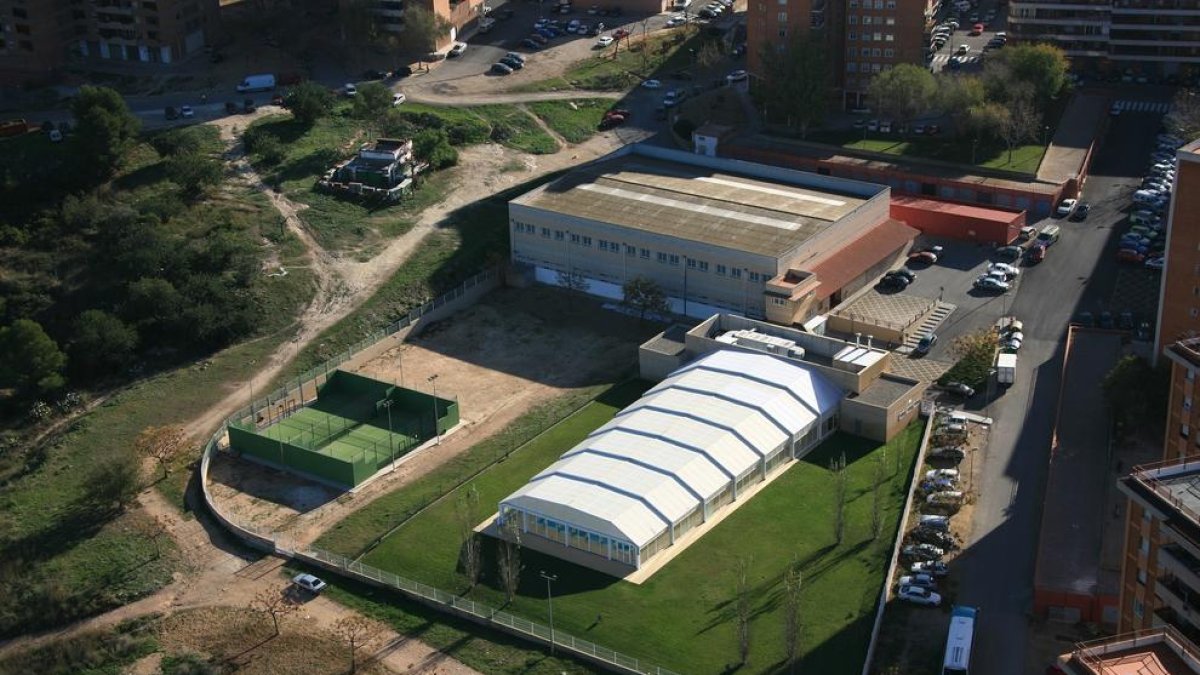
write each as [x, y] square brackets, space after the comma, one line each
[707, 424]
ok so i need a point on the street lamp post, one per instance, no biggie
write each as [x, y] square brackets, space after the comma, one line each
[432, 379]
[550, 605]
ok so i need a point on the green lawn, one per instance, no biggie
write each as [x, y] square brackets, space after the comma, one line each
[1025, 158]
[657, 56]
[575, 121]
[681, 617]
[516, 129]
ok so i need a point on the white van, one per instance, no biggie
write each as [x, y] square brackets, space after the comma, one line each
[254, 83]
[1048, 235]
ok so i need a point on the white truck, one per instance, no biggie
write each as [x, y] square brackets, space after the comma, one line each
[254, 83]
[1006, 369]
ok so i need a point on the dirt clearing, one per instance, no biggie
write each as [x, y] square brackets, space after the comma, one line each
[513, 350]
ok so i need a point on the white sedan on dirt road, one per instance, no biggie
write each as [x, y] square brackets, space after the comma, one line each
[604, 41]
[652, 84]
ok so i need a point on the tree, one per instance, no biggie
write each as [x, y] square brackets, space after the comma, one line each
[372, 101]
[153, 305]
[153, 529]
[984, 120]
[29, 359]
[194, 173]
[114, 481]
[161, 444]
[1041, 66]
[422, 30]
[707, 56]
[792, 579]
[1183, 120]
[101, 344]
[355, 631]
[1136, 394]
[105, 130]
[508, 559]
[838, 467]
[645, 296]
[958, 94]
[903, 92]
[275, 603]
[798, 81]
[741, 608]
[471, 551]
[1019, 125]
[309, 102]
[432, 146]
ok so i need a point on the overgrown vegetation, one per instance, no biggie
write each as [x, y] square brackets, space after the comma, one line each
[576, 121]
[976, 353]
[1137, 395]
[103, 652]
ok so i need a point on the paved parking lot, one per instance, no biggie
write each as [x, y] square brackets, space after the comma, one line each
[976, 55]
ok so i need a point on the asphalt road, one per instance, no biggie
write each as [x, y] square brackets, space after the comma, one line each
[997, 565]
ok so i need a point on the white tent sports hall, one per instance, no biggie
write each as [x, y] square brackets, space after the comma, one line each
[688, 448]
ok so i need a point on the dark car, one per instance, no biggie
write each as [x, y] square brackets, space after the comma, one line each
[611, 120]
[402, 71]
[897, 283]
[959, 389]
[512, 63]
[374, 74]
[529, 43]
[909, 275]
[926, 343]
[171, 113]
[231, 108]
[1037, 254]
[1081, 212]
[501, 69]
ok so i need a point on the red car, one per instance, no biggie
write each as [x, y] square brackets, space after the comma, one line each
[611, 119]
[1130, 255]
[924, 257]
[620, 33]
[1037, 254]
[977, 29]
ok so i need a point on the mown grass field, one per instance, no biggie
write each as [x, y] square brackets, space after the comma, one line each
[682, 617]
[1025, 158]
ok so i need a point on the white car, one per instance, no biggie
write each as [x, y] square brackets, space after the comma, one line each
[1009, 271]
[935, 568]
[962, 49]
[604, 41]
[398, 98]
[309, 582]
[675, 21]
[1065, 207]
[651, 84]
[736, 76]
[922, 580]
[919, 596]
[1156, 263]
[350, 90]
[186, 112]
[458, 49]
[941, 473]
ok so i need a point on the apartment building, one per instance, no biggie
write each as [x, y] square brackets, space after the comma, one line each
[1156, 37]
[1160, 575]
[37, 37]
[459, 14]
[865, 37]
[1179, 308]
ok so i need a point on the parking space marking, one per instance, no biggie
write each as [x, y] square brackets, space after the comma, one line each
[1142, 106]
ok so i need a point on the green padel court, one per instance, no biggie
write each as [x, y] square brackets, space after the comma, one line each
[355, 426]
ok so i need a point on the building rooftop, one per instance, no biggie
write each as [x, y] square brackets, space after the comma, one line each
[839, 269]
[1158, 651]
[886, 390]
[1173, 488]
[1188, 350]
[698, 203]
[669, 342]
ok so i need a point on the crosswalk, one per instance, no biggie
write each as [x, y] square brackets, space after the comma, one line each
[1142, 106]
[943, 59]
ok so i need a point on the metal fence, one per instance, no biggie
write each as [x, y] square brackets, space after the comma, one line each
[270, 542]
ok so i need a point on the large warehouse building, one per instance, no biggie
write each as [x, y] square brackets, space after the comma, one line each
[717, 235]
[691, 447]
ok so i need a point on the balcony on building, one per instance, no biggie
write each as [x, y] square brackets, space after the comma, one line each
[1156, 651]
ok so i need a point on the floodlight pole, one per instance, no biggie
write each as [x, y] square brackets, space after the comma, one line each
[436, 432]
[387, 404]
[550, 604]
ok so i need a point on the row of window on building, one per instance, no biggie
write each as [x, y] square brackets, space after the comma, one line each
[868, 20]
[868, 52]
[871, 37]
[672, 259]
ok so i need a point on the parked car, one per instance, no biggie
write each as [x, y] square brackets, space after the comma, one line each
[934, 474]
[1037, 254]
[512, 63]
[1157, 263]
[398, 98]
[309, 582]
[925, 535]
[652, 84]
[1130, 255]
[458, 49]
[919, 596]
[922, 552]
[736, 76]
[604, 41]
[501, 69]
[935, 568]
[893, 282]
[919, 579]
[516, 56]
[959, 388]
[926, 343]
[949, 453]
[349, 90]
[908, 275]
[186, 112]
[1005, 269]
[374, 74]
[945, 498]
[990, 283]
[1065, 207]
[923, 257]
[1012, 252]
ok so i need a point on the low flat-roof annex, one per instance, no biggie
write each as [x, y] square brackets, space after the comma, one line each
[694, 202]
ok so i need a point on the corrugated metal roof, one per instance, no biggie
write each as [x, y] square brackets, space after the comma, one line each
[694, 203]
[679, 445]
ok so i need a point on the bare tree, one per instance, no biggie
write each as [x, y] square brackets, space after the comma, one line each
[152, 528]
[792, 579]
[1184, 118]
[709, 55]
[1020, 125]
[161, 444]
[876, 499]
[508, 559]
[742, 607]
[355, 631]
[838, 467]
[274, 602]
[468, 516]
